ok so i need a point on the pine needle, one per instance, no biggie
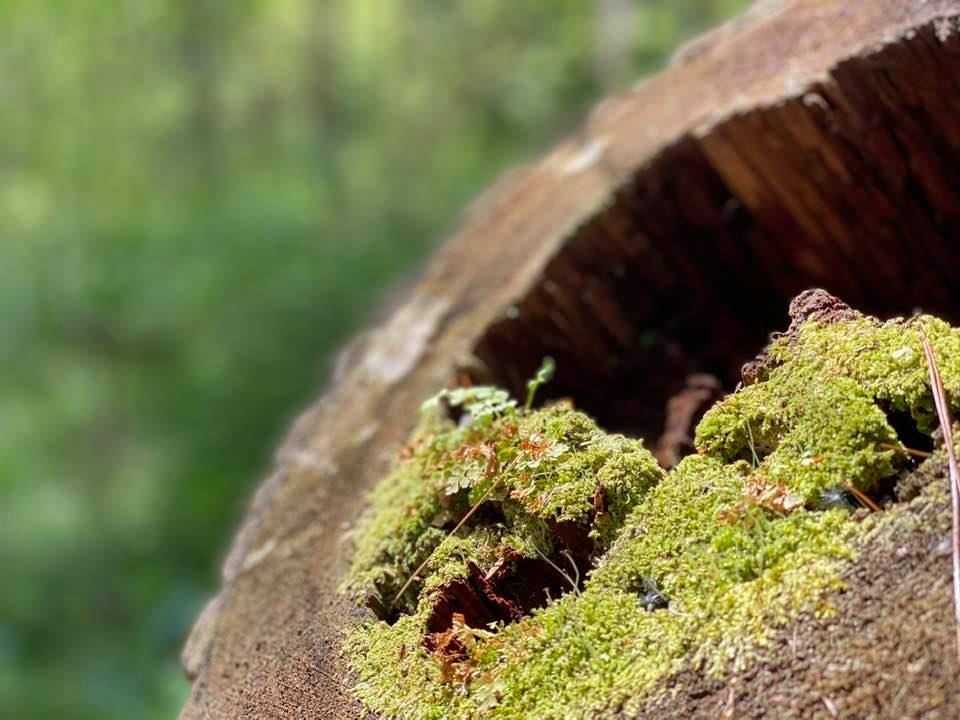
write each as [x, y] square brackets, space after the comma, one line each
[574, 583]
[905, 450]
[753, 448]
[863, 497]
[943, 413]
[470, 514]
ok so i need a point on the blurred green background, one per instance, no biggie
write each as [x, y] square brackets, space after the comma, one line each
[199, 201]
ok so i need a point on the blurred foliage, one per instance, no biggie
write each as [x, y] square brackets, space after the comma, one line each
[197, 200]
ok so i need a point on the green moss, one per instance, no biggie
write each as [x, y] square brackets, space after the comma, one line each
[732, 538]
[549, 466]
[728, 584]
[818, 419]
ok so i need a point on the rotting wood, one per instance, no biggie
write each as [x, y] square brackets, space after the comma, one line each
[813, 143]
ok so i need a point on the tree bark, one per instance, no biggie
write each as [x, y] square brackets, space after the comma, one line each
[807, 143]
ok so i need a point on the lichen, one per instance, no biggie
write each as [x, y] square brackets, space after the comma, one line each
[732, 544]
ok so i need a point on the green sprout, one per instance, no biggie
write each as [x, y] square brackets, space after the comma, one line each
[543, 376]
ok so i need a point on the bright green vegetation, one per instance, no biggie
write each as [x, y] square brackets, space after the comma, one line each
[818, 420]
[539, 468]
[734, 539]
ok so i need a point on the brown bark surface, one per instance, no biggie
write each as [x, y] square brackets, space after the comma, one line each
[812, 142]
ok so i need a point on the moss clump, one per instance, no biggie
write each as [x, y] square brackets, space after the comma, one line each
[541, 469]
[730, 574]
[731, 544]
[818, 420]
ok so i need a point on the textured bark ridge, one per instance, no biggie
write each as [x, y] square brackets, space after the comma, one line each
[807, 144]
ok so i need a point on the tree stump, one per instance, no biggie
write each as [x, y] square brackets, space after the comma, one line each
[804, 144]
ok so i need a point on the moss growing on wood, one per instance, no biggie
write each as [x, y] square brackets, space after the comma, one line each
[819, 418]
[553, 473]
[690, 569]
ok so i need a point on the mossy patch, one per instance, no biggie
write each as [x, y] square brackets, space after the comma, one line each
[818, 419]
[545, 475]
[888, 652]
[695, 568]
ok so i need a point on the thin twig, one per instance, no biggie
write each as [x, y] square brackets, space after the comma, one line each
[906, 450]
[576, 570]
[470, 514]
[943, 413]
[863, 497]
[573, 583]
